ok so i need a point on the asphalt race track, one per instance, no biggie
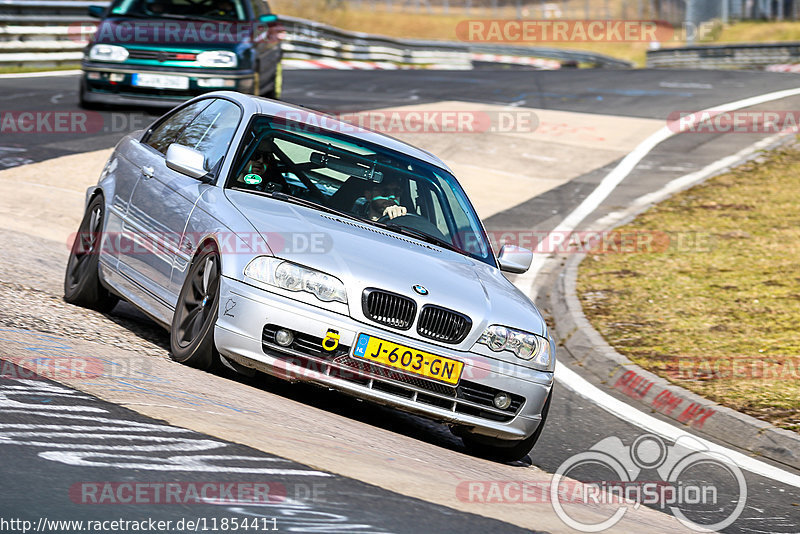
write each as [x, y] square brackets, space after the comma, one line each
[45, 427]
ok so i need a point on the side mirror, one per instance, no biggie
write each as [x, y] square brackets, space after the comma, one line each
[187, 161]
[514, 259]
[97, 12]
[268, 18]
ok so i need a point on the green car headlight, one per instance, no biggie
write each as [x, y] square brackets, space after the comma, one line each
[217, 58]
[104, 52]
[292, 277]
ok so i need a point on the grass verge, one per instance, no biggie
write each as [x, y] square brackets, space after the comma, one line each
[714, 304]
[15, 70]
[430, 26]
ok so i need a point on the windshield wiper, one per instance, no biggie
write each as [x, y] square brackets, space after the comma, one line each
[130, 16]
[299, 201]
[422, 236]
[191, 17]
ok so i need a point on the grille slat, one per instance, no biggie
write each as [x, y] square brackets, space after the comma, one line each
[160, 55]
[389, 309]
[443, 325]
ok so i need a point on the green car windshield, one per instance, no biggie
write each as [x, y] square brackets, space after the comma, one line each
[369, 182]
[226, 10]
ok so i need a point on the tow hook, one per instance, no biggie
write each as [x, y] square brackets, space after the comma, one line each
[331, 340]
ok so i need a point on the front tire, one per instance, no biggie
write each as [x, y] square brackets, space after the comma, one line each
[85, 104]
[277, 84]
[82, 284]
[192, 332]
[506, 450]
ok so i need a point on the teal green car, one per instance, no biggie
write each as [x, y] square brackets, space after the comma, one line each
[161, 52]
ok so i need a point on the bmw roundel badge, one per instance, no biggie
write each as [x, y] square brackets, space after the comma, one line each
[420, 290]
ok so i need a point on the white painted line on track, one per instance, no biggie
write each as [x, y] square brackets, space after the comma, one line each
[40, 74]
[687, 180]
[572, 380]
[526, 282]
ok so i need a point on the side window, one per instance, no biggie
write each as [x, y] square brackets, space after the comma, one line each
[211, 131]
[165, 133]
[258, 8]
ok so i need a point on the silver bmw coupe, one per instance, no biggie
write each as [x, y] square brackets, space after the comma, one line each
[267, 237]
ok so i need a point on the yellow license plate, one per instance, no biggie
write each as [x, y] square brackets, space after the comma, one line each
[414, 361]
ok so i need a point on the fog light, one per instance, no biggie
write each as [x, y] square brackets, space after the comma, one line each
[284, 338]
[114, 77]
[502, 400]
[215, 82]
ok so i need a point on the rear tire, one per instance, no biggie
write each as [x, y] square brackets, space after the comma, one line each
[506, 450]
[82, 285]
[191, 336]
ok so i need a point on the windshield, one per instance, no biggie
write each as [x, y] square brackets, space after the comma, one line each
[182, 9]
[369, 182]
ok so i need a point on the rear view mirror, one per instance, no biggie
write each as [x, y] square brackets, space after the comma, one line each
[187, 161]
[346, 167]
[514, 259]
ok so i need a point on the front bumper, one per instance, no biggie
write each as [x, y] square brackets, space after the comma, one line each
[242, 334]
[108, 83]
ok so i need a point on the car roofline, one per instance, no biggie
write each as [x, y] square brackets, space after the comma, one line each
[258, 105]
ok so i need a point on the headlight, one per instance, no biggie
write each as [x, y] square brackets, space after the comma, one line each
[292, 277]
[217, 58]
[104, 52]
[524, 345]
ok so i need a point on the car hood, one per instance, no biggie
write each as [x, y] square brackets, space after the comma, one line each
[365, 256]
[170, 33]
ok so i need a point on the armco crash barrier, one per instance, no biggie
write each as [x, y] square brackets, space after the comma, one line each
[46, 32]
[739, 56]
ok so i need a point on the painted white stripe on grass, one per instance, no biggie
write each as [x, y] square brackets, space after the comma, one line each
[573, 381]
[607, 185]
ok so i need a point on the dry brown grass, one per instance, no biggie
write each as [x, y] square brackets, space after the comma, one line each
[717, 313]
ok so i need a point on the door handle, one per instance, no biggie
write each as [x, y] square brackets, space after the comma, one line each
[148, 172]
